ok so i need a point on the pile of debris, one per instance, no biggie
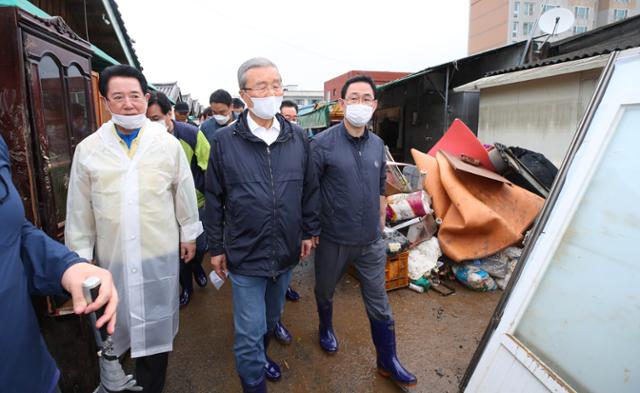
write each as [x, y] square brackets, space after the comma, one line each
[461, 212]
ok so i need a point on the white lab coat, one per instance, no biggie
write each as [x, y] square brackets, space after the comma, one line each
[135, 211]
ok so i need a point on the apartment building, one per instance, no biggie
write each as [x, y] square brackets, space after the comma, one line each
[494, 23]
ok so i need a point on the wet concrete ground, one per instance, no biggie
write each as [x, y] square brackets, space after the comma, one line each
[436, 338]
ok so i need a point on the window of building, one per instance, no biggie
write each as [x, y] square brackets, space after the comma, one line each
[579, 29]
[514, 29]
[622, 1]
[528, 9]
[619, 15]
[548, 7]
[526, 28]
[582, 12]
[516, 9]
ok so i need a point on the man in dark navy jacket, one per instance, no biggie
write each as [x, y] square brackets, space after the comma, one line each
[220, 103]
[350, 164]
[261, 214]
[33, 263]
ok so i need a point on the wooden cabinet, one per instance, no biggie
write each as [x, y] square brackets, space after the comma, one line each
[46, 108]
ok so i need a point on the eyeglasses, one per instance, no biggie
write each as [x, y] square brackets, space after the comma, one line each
[119, 98]
[367, 100]
[262, 88]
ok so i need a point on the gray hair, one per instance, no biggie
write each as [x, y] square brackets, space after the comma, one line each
[256, 62]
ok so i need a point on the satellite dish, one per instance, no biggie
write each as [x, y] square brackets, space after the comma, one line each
[556, 21]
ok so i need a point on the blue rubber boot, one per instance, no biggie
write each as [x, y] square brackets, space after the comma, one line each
[271, 368]
[328, 339]
[256, 387]
[291, 295]
[282, 334]
[384, 338]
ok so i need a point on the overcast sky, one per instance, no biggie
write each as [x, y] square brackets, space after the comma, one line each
[201, 43]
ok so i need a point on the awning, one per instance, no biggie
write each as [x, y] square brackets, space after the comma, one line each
[318, 118]
[321, 115]
[103, 55]
[568, 67]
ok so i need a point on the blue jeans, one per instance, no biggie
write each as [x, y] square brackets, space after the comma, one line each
[257, 307]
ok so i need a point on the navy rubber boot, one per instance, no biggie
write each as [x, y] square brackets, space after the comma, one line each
[185, 298]
[384, 338]
[256, 387]
[292, 295]
[185, 283]
[328, 339]
[271, 368]
[282, 334]
[199, 275]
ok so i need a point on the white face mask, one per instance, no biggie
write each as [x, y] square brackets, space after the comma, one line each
[161, 122]
[129, 122]
[266, 107]
[358, 114]
[221, 119]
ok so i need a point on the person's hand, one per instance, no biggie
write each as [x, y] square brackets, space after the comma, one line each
[187, 251]
[307, 245]
[72, 280]
[219, 263]
[316, 241]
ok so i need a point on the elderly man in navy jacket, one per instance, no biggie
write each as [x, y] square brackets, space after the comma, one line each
[34, 264]
[261, 214]
[350, 163]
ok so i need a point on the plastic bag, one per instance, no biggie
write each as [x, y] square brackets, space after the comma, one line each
[424, 258]
[415, 177]
[395, 241]
[473, 277]
[501, 265]
[407, 206]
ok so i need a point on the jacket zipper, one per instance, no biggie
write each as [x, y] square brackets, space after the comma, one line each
[273, 193]
[362, 179]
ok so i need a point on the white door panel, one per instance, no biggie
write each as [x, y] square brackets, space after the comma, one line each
[572, 320]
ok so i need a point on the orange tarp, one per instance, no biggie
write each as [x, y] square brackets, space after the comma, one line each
[480, 216]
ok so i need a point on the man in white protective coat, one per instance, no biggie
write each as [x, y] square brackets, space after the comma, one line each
[132, 199]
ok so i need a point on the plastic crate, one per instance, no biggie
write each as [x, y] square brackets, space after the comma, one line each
[396, 271]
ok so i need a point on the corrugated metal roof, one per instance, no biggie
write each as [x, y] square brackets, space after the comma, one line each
[603, 40]
[561, 59]
[547, 71]
[443, 65]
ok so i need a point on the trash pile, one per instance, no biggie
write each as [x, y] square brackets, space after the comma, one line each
[461, 212]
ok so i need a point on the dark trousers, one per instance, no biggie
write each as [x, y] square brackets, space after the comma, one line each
[331, 262]
[188, 271]
[151, 372]
[191, 270]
